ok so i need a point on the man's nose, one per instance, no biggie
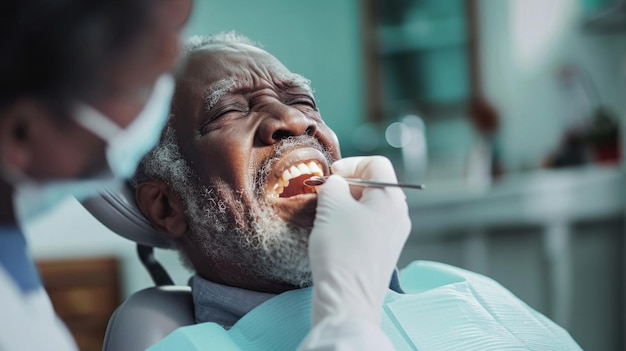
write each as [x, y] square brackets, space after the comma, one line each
[285, 121]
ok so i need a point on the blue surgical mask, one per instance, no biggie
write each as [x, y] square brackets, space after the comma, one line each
[125, 149]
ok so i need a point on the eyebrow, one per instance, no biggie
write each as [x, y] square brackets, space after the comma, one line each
[297, 81]
[214, 93]
[217, 90]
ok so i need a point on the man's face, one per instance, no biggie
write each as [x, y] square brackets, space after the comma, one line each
[247, 126]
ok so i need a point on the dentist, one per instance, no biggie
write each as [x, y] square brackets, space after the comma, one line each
[85, 91]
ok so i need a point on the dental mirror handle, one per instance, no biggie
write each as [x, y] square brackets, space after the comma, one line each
[315, 181]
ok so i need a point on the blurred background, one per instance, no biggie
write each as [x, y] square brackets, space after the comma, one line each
[511, 112]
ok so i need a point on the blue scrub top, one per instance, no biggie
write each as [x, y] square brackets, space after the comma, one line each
[16, 261]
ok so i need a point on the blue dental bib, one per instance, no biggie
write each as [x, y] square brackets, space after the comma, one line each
[444, 308]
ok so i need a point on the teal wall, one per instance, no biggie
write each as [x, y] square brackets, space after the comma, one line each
[318, 39]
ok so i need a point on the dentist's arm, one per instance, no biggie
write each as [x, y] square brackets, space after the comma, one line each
[355, 244]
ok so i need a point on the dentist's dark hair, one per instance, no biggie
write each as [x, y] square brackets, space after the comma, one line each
[58, 51]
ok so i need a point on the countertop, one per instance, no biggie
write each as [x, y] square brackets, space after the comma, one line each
[535, 197]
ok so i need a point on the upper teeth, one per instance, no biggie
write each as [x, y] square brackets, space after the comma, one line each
[295, 171]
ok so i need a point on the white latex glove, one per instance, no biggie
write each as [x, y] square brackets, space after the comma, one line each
[356, 241]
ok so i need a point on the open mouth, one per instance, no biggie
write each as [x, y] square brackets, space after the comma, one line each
[291, 179]
[293, 201]
[289, 173]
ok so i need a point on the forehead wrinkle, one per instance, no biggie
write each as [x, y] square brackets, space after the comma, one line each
[278, 76]
[225, 86]
[214, 93]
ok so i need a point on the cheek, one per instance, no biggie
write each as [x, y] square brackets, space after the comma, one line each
[329, 140]
[224, 159]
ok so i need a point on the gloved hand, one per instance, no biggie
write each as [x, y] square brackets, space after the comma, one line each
[356, 241]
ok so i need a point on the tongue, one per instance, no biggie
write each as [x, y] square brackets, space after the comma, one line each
[296, 187]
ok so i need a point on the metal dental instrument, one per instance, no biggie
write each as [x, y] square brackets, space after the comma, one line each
[315, 181]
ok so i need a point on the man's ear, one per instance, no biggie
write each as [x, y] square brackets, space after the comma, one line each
[162, 207]
[19, 123]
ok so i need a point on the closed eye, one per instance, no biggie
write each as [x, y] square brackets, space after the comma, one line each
[218, 115]
[302, 100]
[220, 112]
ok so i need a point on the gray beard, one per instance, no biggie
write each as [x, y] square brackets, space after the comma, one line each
[260, 244]
[247, 233]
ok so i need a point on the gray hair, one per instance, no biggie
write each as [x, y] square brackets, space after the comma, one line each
[166, 163]
[196, 42]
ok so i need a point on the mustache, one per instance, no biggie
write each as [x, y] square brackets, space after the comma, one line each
[282, 147]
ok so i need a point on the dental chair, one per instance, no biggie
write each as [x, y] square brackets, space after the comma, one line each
[148, 315]
[151, 314]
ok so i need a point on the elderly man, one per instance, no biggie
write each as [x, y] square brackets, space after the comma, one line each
[226, 184]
